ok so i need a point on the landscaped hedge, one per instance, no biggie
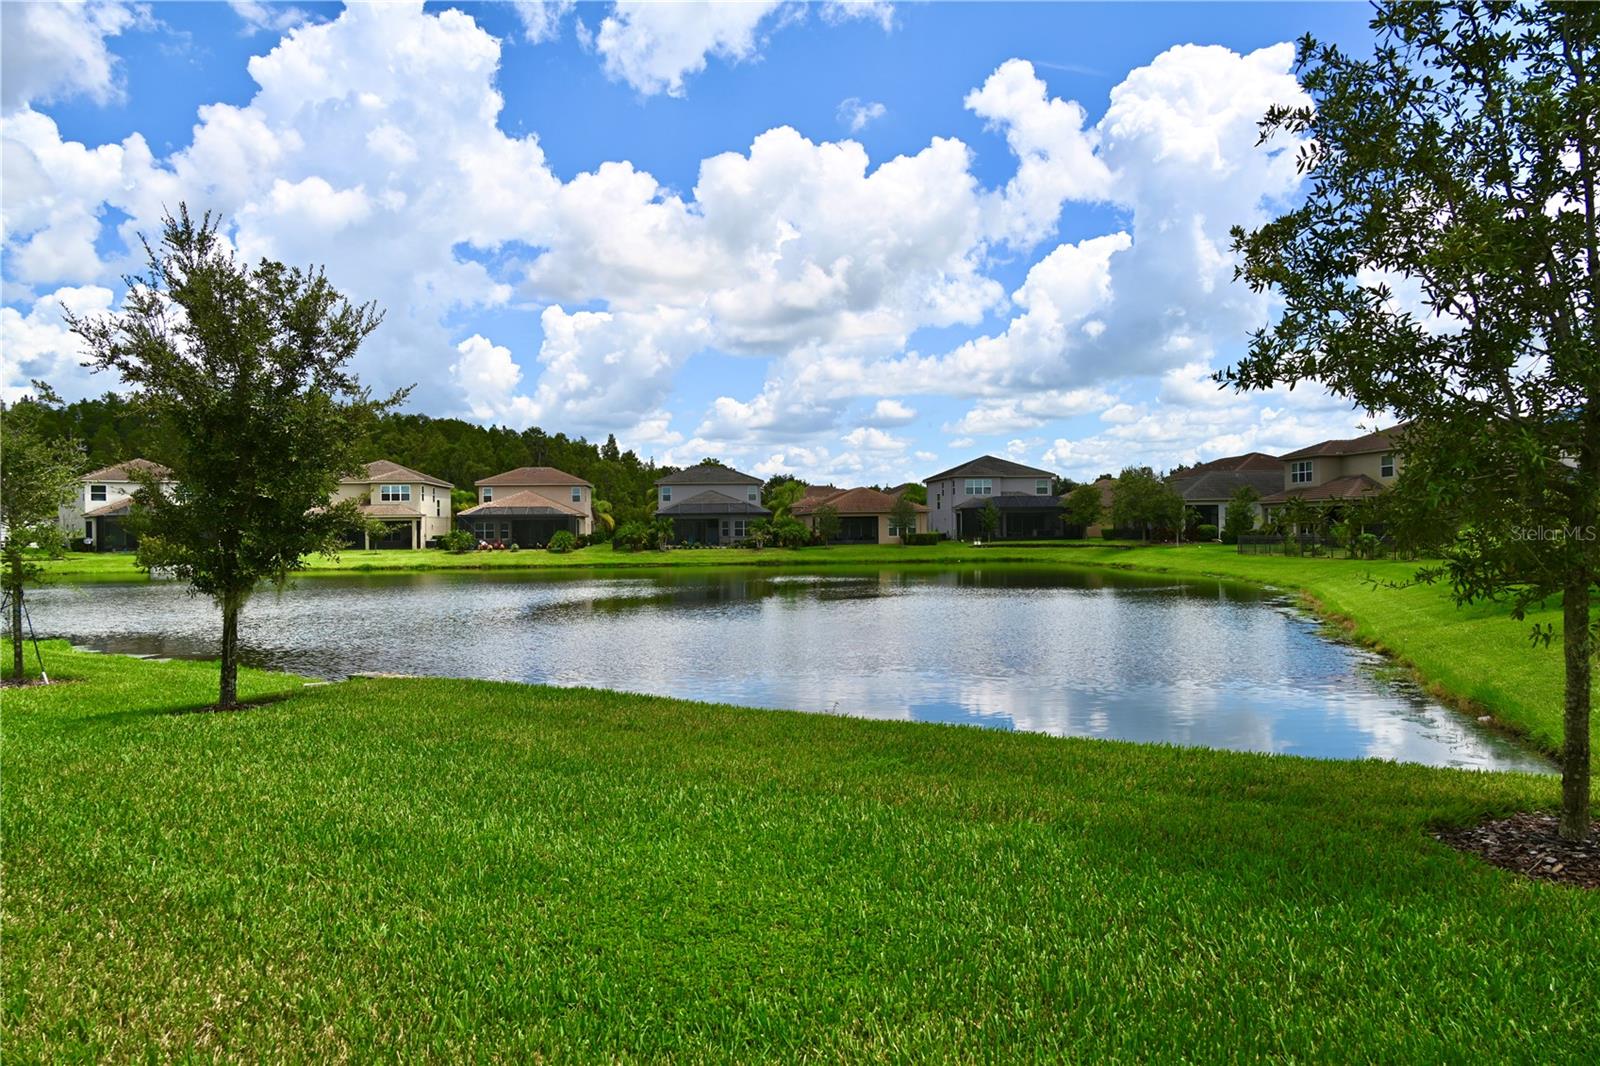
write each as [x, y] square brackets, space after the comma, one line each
[923, 538]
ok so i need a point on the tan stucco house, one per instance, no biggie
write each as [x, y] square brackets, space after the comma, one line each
[98, 513]
[1335, 470]
[710, 504]
[1024, 496]
[529, 505]
[414, 507]
[864, 515]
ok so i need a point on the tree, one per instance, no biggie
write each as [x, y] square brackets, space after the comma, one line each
[916, 493]
[1083, 507]
[1240, 516]
[40, 474]
[989, 519]
[604, 519]
[1141, 500]
[903, 516]
[711, 460]
[247, 364]
[609, 451]
[1460, 165]
[781, 493]
[825, 520]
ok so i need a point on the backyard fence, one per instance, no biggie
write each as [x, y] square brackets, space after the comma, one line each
[1365, 546]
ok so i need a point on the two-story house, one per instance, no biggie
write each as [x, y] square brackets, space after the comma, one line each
[529, 505]
[98, 513]
[710, 504]
[1335, 470]
[414, 507]
[1024, 495]
[866, 516]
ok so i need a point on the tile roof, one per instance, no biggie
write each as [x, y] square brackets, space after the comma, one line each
[1349, 487]
[1381, 441]
[819, 492]
[708, 474]
[989, 466]
[1011, 501]
[525, 503]
[532, 476]
[123, 471]
[851, 501]
[384, 470]
[1250, 461]
[710, 502]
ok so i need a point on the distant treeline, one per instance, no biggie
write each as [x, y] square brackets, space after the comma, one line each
[113, 429]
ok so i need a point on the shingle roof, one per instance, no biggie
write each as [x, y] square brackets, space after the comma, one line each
[1250, 461]
[389, 510]
[708, 474]
[710, 502]
[123, 471]
[106, 510]
[989, 466]
[1349, 487]
[532, 476]
[1381, 441]
[385, 470]
[1011, 501]
[521, 503]
[1222, 484]
[851, 501]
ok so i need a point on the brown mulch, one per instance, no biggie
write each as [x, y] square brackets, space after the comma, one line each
[1530, 845]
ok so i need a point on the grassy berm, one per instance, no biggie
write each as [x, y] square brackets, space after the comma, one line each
[410, 869]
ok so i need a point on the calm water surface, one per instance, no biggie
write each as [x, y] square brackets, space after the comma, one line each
[1080, 654]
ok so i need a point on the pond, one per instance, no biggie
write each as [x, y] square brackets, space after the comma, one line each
[1066, 652]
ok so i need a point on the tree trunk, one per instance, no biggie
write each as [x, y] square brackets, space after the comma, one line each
[229, 695]
[1578, 647]
[17, 666]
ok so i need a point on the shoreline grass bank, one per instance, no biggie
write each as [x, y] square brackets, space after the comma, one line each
[1477, 659]
[453, 869]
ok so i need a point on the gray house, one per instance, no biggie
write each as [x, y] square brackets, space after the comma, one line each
[1024, 496]
[710, 504]
[1208, 487]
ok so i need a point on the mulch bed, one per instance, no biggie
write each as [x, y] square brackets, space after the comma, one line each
[1530, 845]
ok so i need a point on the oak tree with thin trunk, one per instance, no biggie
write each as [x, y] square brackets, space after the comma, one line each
[1445, 267]
[248, 365]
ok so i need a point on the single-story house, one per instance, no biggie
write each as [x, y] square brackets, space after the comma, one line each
[1338, 470]
[1024, 496]
[864, 515]
[98, 512]
[414, 507]
[529, 505]
[1209, 487]
[710, 504]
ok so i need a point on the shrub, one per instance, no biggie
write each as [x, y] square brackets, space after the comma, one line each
[514, 546]
[459, 541]
[1229, 537]
[562, 542]
[789, 532]
[1205, 532]
[923, 538]
[633, 537]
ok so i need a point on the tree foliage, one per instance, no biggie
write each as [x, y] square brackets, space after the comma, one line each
[1444, 268]
[903, 516]
[825, 520]
[1141, 500]
[247, 367]
[1239, 517]
[1083, 507]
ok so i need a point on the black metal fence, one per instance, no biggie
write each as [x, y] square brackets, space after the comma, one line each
[1366, 546]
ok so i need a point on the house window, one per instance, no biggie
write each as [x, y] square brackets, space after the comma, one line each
[488, 493]
[1300, 472]
[1386, 465]
[980, 486]
[666, 493]
[938, 501]
[754, 495]
[577, 494]
[735, 529]
[97, 493]
[394, 494]
[437, 512]
[1041, 487]
[894, 530]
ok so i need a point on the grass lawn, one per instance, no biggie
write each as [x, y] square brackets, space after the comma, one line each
[402, 869]
[1479, 656]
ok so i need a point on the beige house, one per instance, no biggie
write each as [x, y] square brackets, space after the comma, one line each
[529, 505]
[104, 500]
[414, 507]
[1024, 496]
[710, 504]
[864, 515]
[1339, 469]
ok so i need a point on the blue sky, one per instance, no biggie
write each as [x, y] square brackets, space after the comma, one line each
[670, 221]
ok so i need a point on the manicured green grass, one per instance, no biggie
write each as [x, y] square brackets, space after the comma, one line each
[402, 869]
[1479, 656]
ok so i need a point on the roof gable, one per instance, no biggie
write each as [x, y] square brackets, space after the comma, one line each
[989, 466]
[708, 474]
[388, 470]
[532, 477]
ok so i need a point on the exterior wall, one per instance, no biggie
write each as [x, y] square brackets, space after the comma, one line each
[70, 516]
[1326, 468]
[945, 493]
[556, 494]
[810, 522]
[688, 492]
[431, 503]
